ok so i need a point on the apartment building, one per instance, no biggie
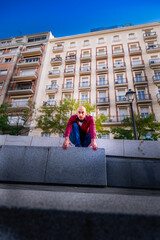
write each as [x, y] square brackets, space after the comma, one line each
[21, 63]
[100, 67]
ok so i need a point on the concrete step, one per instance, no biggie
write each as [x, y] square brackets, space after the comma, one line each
[78, 213]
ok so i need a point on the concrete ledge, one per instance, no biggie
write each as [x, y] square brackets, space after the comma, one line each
[120, 148]
[134, 173]
[80, 166]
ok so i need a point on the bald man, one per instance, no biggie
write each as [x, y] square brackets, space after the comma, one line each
[80, 130]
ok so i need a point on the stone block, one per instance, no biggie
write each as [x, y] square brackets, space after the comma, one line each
[18, 140]
[134, 173]
[45, 141]
[2, 139]
[143, 149]
[81, 166]
[23, 164]
[112, 147]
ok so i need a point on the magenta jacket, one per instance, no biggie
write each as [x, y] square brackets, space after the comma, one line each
[88, 126]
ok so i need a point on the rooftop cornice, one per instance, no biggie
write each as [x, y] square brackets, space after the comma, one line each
[90, 34]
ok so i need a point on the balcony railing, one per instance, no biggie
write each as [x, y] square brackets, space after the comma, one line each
[84, 84]
[121, 99]
[149, 34]
[52, 87]
[67, 85]
[102, 100]
[156, 78]
[154, 61]
[117, 51]
[158, 96]
[32, 49]
[49, 103]
[137, 63]
[101, 67]
[54, 72]
[119, 65]
[70, 70]
[101, 54]
[121, 81]
[21, 103]
[140, 79]
[143, 97]
[134, 49]
[115, 119]
[85, 69]
[71, 57]
[153, 47]
[102, 82]
[20, 88]
[29, 60]
[58, 48]
[56, 60]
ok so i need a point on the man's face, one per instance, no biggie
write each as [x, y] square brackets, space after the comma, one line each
[81, 113]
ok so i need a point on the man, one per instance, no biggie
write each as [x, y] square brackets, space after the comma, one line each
[80, 130]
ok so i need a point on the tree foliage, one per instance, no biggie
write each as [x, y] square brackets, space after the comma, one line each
[18, 125]
[53, 119]
[144, 125]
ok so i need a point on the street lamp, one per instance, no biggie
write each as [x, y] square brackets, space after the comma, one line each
[130, 98]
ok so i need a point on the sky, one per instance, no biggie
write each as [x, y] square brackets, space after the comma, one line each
[64, 18]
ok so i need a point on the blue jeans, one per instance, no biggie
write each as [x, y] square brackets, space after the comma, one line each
[77, 139]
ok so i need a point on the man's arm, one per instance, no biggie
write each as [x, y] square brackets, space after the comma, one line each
[93, 143]
[67, 132]
[66, 143]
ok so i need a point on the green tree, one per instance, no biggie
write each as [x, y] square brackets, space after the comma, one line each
[15, 123]
[144, 125]
[53, 119]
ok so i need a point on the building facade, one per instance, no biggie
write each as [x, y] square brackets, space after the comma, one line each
[21, 63]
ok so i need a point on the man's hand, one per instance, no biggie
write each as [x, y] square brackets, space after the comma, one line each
[93, 144]
[66, 143]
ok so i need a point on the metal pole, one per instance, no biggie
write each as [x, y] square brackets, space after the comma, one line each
[133, 121]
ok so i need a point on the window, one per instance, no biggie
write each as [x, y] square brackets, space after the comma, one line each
[19, 40]
[70, 69]
[157, 75]
[101, 40]
[45, 134]
[86, 42]
[7, 60]
[3, 72]
[138, 77]
[102, 80]
[102, 97]
[131, 36]
[68, 83]
[72, 44]
[38, 38]
[101, 65]
[121, 95]
[84, 96]
[119, 78]
[67, 96]
[6, 43]
[15, 120]
[18, 102]
[85, 82]
[1, 52]
[141, 94]
[116, 38]
[85, 54]
[28, 72]
[144, 112]
[53, 84]
[123, 113]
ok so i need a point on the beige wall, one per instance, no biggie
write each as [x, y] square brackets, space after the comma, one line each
[93, 37]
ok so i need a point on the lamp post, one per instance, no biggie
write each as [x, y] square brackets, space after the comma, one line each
[130, 98]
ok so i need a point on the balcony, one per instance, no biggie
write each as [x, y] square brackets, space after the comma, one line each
[85, 70]
[118, 53]
[84, 86]
[67, 87]
[149, 35]
[154, 63]
[51, 102]
[140, 80]
[25, 76]
[29, 62]
[57, 61]
[101, 69]
[16, 120]
[57, 49]
[135, 51]
[101, 84]
[143, 98]
[85, 57]
[69, 72]
[20, 90]
[156, 79]
[54, 73]
[153, 48]
[31, 51]
[101, 55]
[118, 67]
[137, 64]
[51, 88]
[158, 97]
[70, 59]
[121, 100]
[121, 82]
[19, 105]
[102, 101]
[115, 120]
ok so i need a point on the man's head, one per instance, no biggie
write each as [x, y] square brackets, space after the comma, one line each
[81, 113]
